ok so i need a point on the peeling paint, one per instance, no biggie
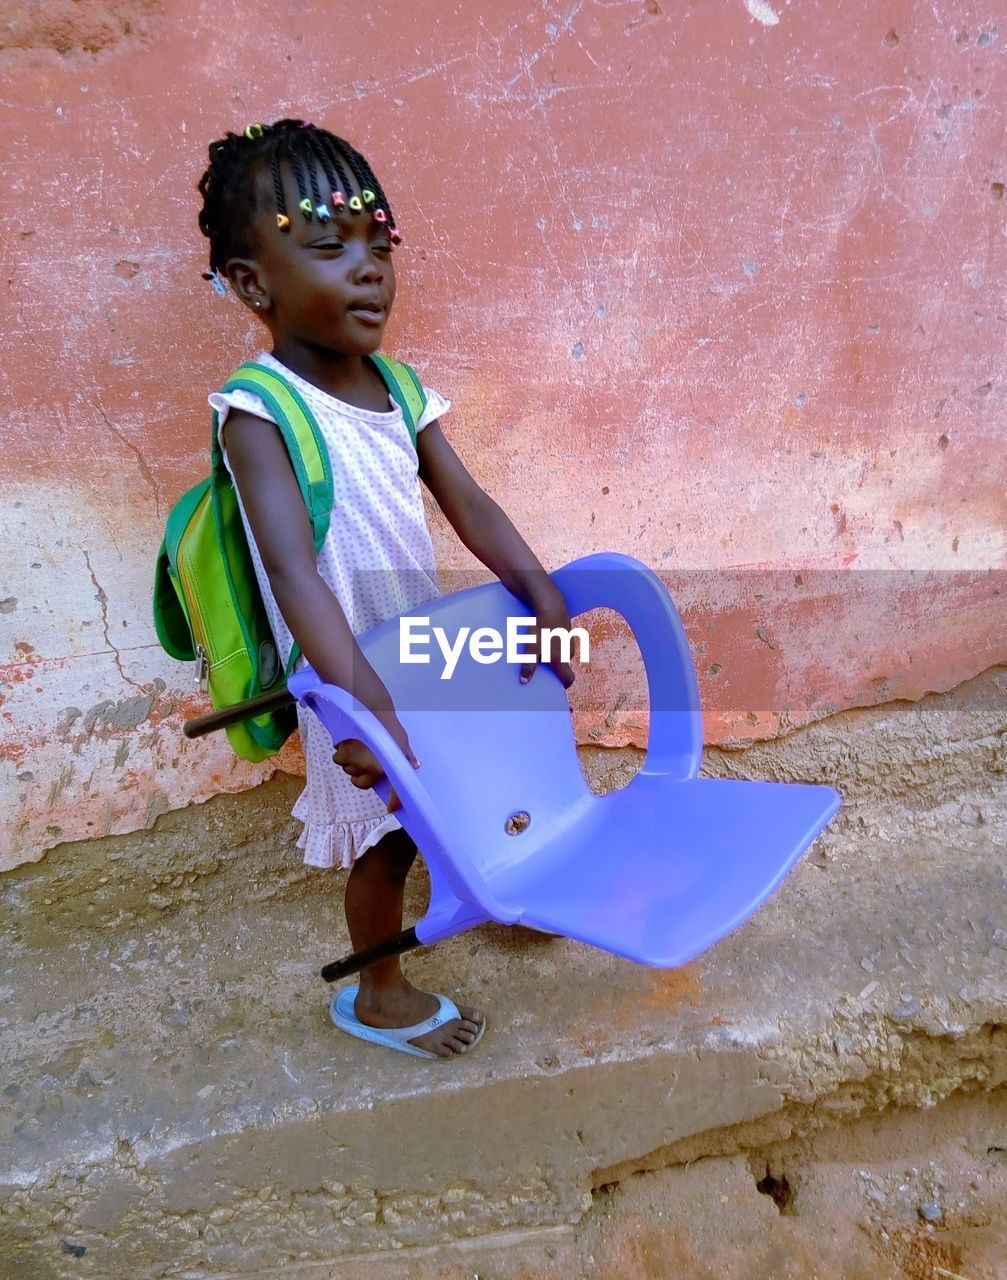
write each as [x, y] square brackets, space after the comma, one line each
[762, 12]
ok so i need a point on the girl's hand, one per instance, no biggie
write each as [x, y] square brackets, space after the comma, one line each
[362, 766]
[554, 614]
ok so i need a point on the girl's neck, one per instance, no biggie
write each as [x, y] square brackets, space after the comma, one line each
[350, 378]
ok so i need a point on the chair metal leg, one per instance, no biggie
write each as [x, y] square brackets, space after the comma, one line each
[404, 941]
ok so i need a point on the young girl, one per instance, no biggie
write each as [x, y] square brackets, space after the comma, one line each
[301, 228]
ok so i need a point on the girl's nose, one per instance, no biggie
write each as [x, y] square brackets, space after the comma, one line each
[368, 268]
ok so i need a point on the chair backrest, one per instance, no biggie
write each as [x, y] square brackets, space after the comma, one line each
[622, 583]
[498, 758]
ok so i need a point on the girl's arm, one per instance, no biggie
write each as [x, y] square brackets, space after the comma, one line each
[283, 535]
[488, 533]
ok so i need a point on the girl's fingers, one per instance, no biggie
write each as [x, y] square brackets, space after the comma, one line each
[409, 754]
[566, 673]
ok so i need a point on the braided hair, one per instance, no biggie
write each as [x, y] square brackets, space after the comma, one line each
[230, 189]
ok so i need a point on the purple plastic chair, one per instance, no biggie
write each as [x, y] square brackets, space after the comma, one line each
[656, 872]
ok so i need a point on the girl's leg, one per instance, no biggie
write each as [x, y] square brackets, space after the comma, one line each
[374, 894]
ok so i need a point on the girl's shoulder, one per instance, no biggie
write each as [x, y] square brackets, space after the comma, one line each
[326, 407]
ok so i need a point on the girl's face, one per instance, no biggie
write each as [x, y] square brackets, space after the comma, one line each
[324, 285]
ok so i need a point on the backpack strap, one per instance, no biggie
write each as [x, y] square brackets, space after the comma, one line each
[306, 448]
[405, 389]
[308, 455]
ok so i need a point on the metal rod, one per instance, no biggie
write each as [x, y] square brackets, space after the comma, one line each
[240, 711]
[404, 941]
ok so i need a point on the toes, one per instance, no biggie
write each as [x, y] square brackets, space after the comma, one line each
[454, 1037]
[439, 1047]
[453, 1040]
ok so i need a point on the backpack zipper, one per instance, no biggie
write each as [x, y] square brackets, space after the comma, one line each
[201, 671]
[201, 674]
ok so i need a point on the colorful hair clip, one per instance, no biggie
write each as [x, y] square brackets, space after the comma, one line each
[253, 131]
[283, 222]
[355, 204]
[368, 196]
[218, 282]
[322, 212]
[379, 215]
[395, 236]
[306, 207]
[338, 201]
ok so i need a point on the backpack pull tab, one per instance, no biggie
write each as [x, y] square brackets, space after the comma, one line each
[202, 671]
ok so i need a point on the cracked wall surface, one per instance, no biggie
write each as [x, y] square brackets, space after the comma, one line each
[758, 347]
[46, 32]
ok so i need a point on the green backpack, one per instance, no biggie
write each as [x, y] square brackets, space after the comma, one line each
[207, 605]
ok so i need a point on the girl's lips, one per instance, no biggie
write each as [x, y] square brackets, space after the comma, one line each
[368, 317]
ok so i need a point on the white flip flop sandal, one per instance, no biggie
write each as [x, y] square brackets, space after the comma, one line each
[344, 1016]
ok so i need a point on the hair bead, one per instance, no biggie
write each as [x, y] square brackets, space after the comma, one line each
[218, 282]
[379, 215]
[325, 170]
[395, 236]
[322, 213]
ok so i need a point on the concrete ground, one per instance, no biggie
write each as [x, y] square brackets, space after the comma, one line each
[818, 1095]
[852, 1203]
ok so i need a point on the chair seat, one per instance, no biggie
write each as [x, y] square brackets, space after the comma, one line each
[659, 871]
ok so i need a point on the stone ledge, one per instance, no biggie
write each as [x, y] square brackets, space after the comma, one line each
[178, 1100]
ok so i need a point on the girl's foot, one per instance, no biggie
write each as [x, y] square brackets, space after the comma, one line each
[404, 1005]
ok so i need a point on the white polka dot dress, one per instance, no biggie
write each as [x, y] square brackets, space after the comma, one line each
[377, 559]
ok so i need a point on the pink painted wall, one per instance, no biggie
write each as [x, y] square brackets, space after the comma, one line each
[717, 284]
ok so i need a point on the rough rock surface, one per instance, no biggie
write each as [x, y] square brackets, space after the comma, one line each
[177, 1103]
